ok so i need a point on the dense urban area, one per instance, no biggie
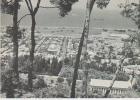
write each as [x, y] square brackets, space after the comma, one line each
[55, 57]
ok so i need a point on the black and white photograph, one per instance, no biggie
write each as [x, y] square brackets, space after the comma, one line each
[70, 49]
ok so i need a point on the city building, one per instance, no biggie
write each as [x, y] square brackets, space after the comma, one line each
[130, 68]
[119, 87]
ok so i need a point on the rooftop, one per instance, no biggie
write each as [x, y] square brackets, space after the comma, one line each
[132, 66]
[106, 83]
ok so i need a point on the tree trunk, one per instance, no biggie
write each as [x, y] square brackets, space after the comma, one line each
[84, 35]
[139, 27]
[15, 40]
[84, 51]
[14, 69]
[114, 78]
[77, 65]
[30, 73]
[139, 37]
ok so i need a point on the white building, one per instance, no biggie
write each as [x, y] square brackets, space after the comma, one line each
[130, 68]
[119, 87]
[53, 49]
[116, 61]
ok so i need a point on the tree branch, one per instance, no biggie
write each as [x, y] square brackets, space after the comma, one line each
[22, 18]
[27, 3]
[44, 40]
[37, 7]
[31, 4]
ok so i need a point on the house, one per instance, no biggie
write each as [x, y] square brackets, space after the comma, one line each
[119, 87]
[116, 61]
[130, 68]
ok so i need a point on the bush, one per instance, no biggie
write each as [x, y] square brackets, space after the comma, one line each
[9, 83]
[122, 76]
[40, 83]
[23, 84]
[67, 61]
[60, 95]
[60, 79]
[45, 93]
[69, 81]
[7, 80]
[40, 65]
[138, 83]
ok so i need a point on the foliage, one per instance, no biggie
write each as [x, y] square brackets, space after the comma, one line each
[23, 85]
[104, 67]
[64, 6]
[69, 81]
[40, 83]
[127, 51]
[95, 74]
[132, 11]
[67, 61]
[138, 83]
[60, 80]
[102, 3]
[55, 66]
[49, 92]
[9, 83]
[7, 6]
[121, 76]
[10, 32]
[41, 65]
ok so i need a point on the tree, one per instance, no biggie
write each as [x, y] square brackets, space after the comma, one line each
[114, 78]
[84, 37]
[7, 83]
[84, 34]
[132, 11]
[54, 66]
[111, 49]
[33, 12]
[11, 7]
[64, 6]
